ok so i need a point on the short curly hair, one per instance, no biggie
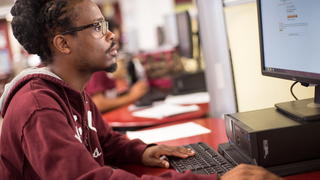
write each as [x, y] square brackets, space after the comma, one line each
[35, 22]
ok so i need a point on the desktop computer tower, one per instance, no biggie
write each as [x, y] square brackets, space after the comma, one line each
[270, 139]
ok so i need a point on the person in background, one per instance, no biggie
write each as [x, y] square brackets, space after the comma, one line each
[102, 86]
[51, 127]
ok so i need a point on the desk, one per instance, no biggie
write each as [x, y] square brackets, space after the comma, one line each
[122, 118]
[214, 138]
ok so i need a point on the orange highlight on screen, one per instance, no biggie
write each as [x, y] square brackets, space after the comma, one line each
[293, 16]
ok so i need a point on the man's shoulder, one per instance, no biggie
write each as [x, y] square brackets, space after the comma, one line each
[37, 94]
[30, 98]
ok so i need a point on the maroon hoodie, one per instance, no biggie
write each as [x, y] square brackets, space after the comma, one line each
[51, 131]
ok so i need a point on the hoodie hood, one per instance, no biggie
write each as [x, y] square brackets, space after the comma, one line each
[9, 87]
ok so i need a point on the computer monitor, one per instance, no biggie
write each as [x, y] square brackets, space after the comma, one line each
[184, 31]
[290, 49]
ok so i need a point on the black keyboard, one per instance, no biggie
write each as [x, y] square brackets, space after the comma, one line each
[205, 161]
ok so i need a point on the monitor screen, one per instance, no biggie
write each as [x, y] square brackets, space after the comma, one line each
[289, 40]
[184, 30]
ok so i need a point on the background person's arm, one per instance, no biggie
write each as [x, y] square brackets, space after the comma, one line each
[105, 104]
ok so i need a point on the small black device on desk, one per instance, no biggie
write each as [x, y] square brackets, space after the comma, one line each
[151, 96]
[189, 83]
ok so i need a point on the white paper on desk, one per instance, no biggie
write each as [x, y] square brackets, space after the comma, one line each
[169, 132]
[164, 110]
[193, 98]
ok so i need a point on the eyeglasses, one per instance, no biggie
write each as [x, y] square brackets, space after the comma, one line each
[101, 27]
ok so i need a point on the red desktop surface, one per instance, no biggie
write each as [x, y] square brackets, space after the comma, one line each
[122, 117]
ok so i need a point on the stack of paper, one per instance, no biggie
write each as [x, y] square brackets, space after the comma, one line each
[160, 111]
[193, 98]
[168, 133]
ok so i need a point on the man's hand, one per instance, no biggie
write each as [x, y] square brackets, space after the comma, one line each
[249, 172]
[153, 156]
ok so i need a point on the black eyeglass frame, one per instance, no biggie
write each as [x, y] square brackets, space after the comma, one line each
[81, 28]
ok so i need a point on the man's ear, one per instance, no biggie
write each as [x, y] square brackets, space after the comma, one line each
[60, 42]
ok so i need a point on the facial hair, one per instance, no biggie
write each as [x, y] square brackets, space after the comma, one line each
[113, 67]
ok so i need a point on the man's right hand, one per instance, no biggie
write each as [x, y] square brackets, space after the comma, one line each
[249, 172]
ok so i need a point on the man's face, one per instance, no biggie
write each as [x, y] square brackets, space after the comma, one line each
[92, 50]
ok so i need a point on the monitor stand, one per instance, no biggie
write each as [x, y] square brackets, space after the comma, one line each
[305, 110]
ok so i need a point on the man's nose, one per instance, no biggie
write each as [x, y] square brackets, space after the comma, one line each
[110, 36]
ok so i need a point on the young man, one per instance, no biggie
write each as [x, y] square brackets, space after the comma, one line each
[51, 128]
